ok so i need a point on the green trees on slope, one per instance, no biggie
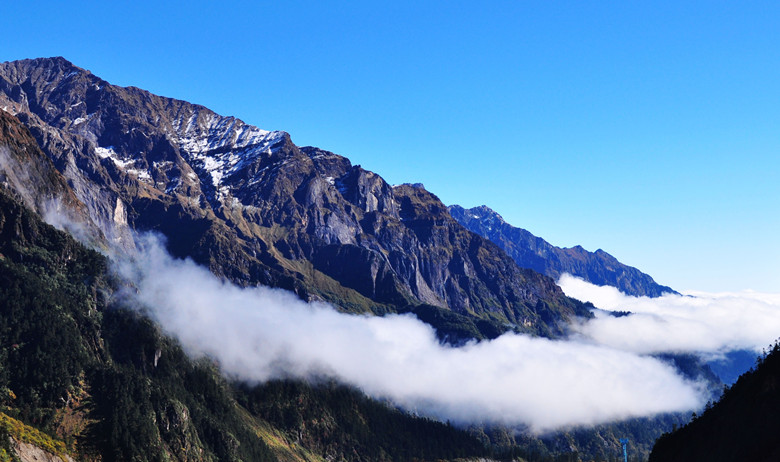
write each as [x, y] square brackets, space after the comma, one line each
[743, 425]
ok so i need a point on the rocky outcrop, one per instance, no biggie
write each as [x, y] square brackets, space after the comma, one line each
[533, 252]
[257, 209]
[27, 452]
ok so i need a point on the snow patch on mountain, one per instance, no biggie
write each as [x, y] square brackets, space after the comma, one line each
[221, 146]
[142, 175]
[108, 152]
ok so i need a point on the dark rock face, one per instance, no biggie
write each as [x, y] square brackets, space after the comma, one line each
[533, 252]
[257, 209]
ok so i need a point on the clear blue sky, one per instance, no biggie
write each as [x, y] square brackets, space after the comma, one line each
[648, 129]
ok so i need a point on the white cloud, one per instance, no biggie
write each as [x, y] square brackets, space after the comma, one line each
[698, 322]
[259, 334]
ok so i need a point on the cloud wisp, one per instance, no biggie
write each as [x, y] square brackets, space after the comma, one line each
[259, 334]
[697, 322]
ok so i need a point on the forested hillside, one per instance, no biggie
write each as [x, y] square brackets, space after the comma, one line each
[743, 425]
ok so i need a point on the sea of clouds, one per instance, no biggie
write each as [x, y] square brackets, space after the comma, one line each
[257, 334]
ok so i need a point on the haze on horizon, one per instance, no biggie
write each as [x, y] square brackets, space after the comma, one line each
[649, 131]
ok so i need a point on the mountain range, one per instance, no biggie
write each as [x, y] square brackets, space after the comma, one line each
[106, 162]
[257, 209]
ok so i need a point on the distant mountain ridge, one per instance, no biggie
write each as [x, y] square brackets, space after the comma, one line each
[533, 252]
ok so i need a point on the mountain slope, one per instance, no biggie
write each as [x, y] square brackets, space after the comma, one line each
[529, 251]
[257, 209]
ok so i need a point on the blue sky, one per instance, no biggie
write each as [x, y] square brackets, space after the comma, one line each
[650, 130]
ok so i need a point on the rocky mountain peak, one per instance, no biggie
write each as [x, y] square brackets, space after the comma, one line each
[41, 69]
[482, 213]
